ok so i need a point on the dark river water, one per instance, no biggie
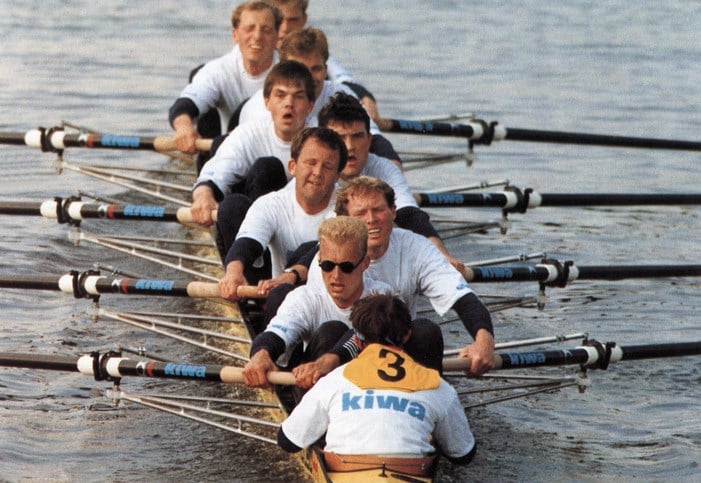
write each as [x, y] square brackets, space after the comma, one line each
[604, 67]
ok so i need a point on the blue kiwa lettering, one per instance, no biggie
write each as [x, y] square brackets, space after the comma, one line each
[184, 370]
[144, 211]
[416, 126]
[525, 359]
[495, 273]
[370, 400]
[120, 141]
[154, 285]
[445, 198]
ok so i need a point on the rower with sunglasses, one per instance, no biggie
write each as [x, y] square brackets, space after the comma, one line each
[317, 316]
[412, 266]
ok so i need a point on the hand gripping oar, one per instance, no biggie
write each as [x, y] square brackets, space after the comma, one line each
[478, 131]
[592, 355]
[56, 139]
[515, 200]
[72, 210]
[90, 284]
[112, 366]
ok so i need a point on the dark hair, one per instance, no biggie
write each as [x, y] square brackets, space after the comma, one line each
[305, 42]
[290, 71]
[342, 107]
[255, 6]
[381, 318]
[327, 137]
[361, 186]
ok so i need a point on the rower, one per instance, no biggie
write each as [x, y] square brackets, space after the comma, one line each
[250, 160]
[312, 319]
[345, 115]
[284, 219]
[224, 83]
[309, 46]
[346, 404]
[412, 266]
[294, 17]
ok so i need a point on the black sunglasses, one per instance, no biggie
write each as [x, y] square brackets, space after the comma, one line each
[346, 267]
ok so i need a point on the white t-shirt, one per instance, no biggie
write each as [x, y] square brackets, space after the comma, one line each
[379, 421]
[387, 171]
[412, 266]
[224, 83]
[278, 221]
[306, 308]
[238, 152]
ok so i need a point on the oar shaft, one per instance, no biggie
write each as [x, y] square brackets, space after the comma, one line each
[596, 355]
[559, 273]
[520, 200]
[562, 137]
[70, 210]
[87, 285]
[57, 139]
[481, 132]
[109, 366]
[619, 272]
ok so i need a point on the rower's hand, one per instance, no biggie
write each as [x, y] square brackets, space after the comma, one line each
[480, 353]
[308, 374]
[255, 373]
[232, 280]
[457, 264]
[185, 134]
[203, 205]
[265, 286]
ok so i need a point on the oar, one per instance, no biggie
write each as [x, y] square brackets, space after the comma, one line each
[595, 355]
[516, 200]
[558, 273]
[55, 139]
[109, 366]
[478, 131]
[89, 284]
[69, 210]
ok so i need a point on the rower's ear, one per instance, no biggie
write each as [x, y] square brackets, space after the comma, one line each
[291, 166]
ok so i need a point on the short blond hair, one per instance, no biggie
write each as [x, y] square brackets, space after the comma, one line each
[256, 6]
[344, 229]
[362, 186]
[303, 43]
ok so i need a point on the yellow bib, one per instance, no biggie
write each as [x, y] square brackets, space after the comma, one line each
[386, 367]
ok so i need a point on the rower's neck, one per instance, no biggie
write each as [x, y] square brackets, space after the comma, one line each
[257, 68]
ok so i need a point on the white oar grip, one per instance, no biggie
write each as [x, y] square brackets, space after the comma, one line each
[163, 143]
[203, 289]
[184, 215]
[233, 374]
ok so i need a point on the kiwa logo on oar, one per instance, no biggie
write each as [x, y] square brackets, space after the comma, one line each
[125, 285]
[171, 369]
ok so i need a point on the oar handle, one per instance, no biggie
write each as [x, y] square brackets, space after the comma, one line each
[249, 292]
[463, 363]
[164, 143]
[211, 290]
[232, 374]
[184, 215]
